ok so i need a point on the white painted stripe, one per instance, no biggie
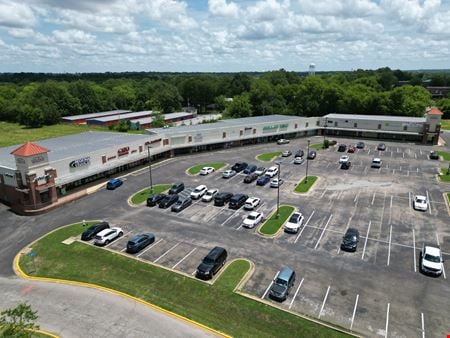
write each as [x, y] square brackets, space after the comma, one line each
[354, 312]
[324, 300]
[387, 320]
[324, 191]
[365, 242]
[414, 244]
[165, 253]
[409, 199]
[437, 239]
[373, 197]
[443, 271]
[304, 226]
[190, 252]
[323, 231]
[429, 202]
[151, 246]
[423, 324]
[123, 249]
[115, 240]
[228, 218]
[295, 294]
[389, 251]
[270, 285]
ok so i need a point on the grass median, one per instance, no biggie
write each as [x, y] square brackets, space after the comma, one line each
[196, 168]
[304, 185]
[445, 124]
[317, 146]
[274, 223]
[216, 306]
[445, 175]
[141, 196]
[268, 157]
[445, 155]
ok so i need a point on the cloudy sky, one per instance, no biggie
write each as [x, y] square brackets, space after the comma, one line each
[222, 35]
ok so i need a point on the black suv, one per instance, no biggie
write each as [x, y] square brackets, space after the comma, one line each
[138, 242]
[346, 165]
[222, 198]
[212, 263]
[350, 240]
[94, 230]
[282, 284]
[239, 166]
[153, 200]
[434, 155]
[176, 188]
[342, 148]
[312, 155]
[237, 201]
[299, 153]
[168, 201]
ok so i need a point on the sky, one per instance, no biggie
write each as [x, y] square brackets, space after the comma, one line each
[69, 36]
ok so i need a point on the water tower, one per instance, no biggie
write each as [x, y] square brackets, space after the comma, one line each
[312, 69]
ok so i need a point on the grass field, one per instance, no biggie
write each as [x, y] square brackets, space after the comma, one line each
[444, 177]
[141, 196]
[194, 170]
[268, 157]
[317, 146]
[445, 124]
[304, 186]
[215, 306]
[445, 155]
[273, 224]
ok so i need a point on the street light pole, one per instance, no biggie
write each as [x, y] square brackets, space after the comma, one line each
[278, 191]
[307, 162]
[324, 130]
[150, 169]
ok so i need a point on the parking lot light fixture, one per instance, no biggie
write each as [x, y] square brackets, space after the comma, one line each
[278, 190]
[150, 169]
[307, 162]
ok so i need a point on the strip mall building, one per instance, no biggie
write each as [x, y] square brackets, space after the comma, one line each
[34, 176]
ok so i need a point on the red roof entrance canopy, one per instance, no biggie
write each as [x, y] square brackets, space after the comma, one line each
[29, 149]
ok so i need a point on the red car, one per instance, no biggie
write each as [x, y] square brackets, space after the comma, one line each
[351, 149]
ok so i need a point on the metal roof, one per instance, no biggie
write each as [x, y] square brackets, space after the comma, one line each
[376, 118]
[171, 116]
[74, 145]
[93, 115]
[128, 116]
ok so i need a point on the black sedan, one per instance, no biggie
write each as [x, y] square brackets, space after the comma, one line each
[168, 201]
[138, 242]
[181, 204]
[434, 155]
[299, 153]
[312, 155]
[360, 145]
[346, 165]
[153, 200]
[381, 147]
[94, 230]
[350, 240]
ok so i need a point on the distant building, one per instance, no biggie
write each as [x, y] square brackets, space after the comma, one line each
[107, 121]
[81, 119]
[146, 122]
[438, 92]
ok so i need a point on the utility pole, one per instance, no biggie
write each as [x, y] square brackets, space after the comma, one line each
[307, 162]
[278, 191]
[150, 169]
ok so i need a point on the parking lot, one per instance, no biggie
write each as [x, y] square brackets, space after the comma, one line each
[377, 290]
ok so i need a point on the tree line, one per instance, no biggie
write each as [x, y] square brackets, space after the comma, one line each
[42, 99]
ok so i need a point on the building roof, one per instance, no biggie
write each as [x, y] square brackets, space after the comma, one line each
[377, 118]
[434, 111]
[94, 115]
[127, 116]
[171, 116]
[76, 145]
[29, 149]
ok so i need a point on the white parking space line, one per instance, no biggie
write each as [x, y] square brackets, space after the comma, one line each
[118, 239]
[403, 154]
[229, 218]
[414, 244]
[387, 320]
[295, 294]
[354, 312]
[165, 253]
[389, 251]
[415, 156]
[190, 252]
[325, 190]
[423, 324]
[443, 271]
[324, 300]
[323, 231]
[437, 239]
[365, 242]
[373, 198]
[429, 202]
[409, 199]
[390, 210]
[357, 196]
[365, 170]
[151, 246]
[270, 285]
[215, 214]
[304, 226]
[368, 152]
[123, 249]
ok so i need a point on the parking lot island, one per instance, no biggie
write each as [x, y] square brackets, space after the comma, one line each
[141, 196]
[268, 157]
[273, 225]
[195, 170]
[303, 186]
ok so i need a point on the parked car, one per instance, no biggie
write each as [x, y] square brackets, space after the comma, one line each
[239, 166]
[376, 162]
[312, 154]
[381, 147]
[251, 203]
[212, 263]
[237, 201]
[106, 236]
[250, 178]
[208, 197]
[168, 201]
[114, 183]
[286, 153]
[253, 219]
[298, 160]
[176, 188]
[434, 155]
[282, 284]
[420, 203]
[199, 192]
[260, 171]
[431, 260]
[181, 204]
[250, 169]
[346, 165]
[282, 141]
[299, 153]
[153, 200]
[263, 180]
[207, 170]
[222, 198]
[94, 230]
[342, 148]
[294, 223]
[228, 173]
[351, 149]
[139, 242]
[344, 159]
[275, 183]
[360, 145]
[350, 240]
[272, 171]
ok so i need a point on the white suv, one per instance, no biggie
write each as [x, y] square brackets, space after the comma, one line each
[344, 159]
[208, 197]
[272, 171]
[376, 162]
[431, 260]
[199, 192]
[104, 237]
[420, 203]
[294, 223]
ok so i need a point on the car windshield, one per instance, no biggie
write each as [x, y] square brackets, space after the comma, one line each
[208, 260]
[280, 281]
[198, 189]
[419, 200]
[251, 217]
[431, 258]
[294, 219]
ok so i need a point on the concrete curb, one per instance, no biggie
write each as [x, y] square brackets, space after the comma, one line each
[46, 333]
[447, 203]
[277, 234]
[311, 188]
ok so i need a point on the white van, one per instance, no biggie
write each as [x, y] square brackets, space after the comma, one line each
[376, 162]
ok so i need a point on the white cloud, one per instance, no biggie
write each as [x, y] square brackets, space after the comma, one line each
[268, 10]
[222, 8]
[13, 14]
[21, 33]
[345, 8]
[170, 13]
[411, 11]
[73, 36]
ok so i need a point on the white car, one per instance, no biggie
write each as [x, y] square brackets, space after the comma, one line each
[106, 236]
[283, 141]
[298, 160]
[344, 159]
[228, 173]
[272, 171]
[207, 170]
[251, 203]
[199, 192]
[294, 223]
[376, 162]
[260, 171]
[275, 183]
[431, 260]
[253, 219]
[209, 195]
[420, 203]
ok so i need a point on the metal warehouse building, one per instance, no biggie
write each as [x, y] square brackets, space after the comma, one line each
[146, 122]
[106, 121]
[80, 119]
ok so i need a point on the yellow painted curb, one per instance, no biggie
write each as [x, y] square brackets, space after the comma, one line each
[46, 333]
[258, 231]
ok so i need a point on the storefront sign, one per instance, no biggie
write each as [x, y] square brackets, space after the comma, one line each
[154, 141]
[134, 151]
[111, 158]
[41, 178]
[81, 162]
[123, 151]
[38, 159]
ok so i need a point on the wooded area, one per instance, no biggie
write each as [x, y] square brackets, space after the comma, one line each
[41, 99]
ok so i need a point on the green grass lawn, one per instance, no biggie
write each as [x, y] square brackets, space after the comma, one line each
[196, 168]
[445, 155]
[304, 186]
[268, 157]
[445, 124]
[215, 306]
[444, 177]
[141, 196]
[33, 334]
[273, 224]
[317, 146]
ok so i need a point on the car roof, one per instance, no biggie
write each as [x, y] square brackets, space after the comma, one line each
[433, 250]
[254, 213]
[421, 197]
[201, 186]
[285, 273]
[252, 198]
[352, 231]
[376, 159]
